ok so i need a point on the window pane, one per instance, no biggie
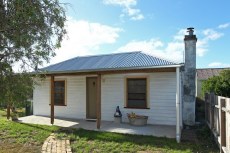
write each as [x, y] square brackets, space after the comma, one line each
[136, 96]
[137, 82]
[60, 83]
[137, 89]
[59, 92]
[136, 93]
[137, 103]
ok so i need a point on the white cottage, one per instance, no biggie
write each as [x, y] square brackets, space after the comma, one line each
[91, 87]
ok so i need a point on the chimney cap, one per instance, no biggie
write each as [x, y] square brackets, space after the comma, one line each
[190, 31]
[190, 35]
[190, 28]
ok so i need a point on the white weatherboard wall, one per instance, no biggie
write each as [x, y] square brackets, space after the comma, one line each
[162, 98]
[76, 98]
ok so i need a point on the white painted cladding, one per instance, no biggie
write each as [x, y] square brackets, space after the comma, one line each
[162, 98]
[76, 98]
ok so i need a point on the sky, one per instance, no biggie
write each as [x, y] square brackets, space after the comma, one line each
[156, 27]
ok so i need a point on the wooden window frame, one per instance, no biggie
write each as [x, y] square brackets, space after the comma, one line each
[126, 91]
[65, 93]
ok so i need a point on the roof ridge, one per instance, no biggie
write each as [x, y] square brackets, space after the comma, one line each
[108, 54]
[134, 60]
[160, 58]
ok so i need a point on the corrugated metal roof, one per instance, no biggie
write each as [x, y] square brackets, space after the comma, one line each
[204, 74]
[109, 61]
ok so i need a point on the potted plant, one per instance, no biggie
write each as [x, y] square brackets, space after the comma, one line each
[138, 120]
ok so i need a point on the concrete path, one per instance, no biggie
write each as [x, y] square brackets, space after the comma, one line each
[109, 126]
[54, 145]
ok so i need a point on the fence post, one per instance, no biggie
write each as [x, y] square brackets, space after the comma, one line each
[227, 123]
[222, 125]
[227, 102]
[205, 107]
[212, 105]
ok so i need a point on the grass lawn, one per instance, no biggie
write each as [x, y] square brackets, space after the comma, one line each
[18, 137]
[106, 142]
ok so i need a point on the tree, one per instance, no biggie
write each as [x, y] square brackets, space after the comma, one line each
[16, 88]
[220, 85]
[30, 31]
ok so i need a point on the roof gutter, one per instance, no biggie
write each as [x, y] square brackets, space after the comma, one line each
[111, 69]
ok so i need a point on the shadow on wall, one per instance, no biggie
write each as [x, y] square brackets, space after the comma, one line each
[200, 110]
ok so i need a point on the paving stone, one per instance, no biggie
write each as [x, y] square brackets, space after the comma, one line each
[53, 145]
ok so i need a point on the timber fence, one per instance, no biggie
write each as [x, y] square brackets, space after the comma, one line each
[217, 116]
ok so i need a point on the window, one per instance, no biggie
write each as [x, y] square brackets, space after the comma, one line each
[136, 92]
[59, 93]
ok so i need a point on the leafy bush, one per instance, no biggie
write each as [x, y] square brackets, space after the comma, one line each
[220, 85]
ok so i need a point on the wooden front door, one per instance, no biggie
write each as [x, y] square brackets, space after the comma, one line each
[91, 93]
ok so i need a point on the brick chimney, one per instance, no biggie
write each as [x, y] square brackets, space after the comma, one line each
[189, 82]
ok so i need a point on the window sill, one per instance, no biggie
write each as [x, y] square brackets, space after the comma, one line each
[58, 105]
[136, 108]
